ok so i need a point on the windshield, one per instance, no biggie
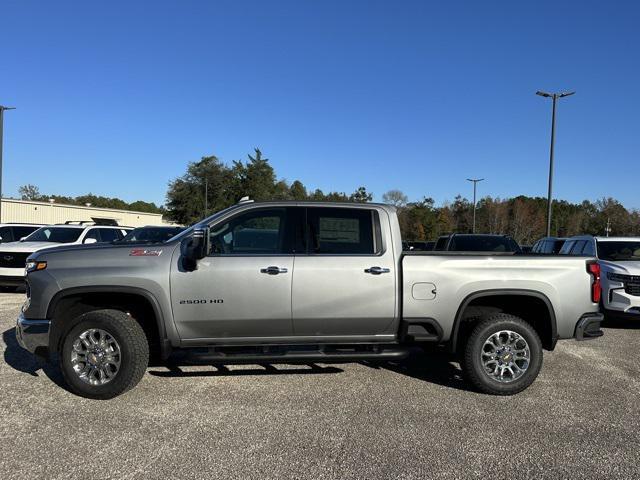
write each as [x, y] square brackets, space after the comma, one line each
[619, 251]
[150, 234]
[55, 234]
[481, 243]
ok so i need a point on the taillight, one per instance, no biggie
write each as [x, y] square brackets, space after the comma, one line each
[596, 288]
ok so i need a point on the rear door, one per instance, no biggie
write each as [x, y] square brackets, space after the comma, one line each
[346, 283]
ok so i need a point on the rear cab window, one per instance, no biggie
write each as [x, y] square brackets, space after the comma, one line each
[343, 231]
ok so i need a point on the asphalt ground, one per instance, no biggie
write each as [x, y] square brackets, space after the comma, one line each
[418, 419]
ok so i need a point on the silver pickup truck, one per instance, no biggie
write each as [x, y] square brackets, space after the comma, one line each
[291, 282]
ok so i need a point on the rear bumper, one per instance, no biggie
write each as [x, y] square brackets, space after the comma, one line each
[588, 327]
[33, 334]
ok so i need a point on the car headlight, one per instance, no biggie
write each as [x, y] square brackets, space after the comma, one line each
[617, 277]
[33, 266]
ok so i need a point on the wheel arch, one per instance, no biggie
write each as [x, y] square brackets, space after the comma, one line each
[80, 300]
[495, 298]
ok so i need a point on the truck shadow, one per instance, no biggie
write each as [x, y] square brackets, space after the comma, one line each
[174, 370]
[431, 367]
[19, 359]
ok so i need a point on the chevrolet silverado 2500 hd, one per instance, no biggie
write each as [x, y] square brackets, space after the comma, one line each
[284, 282]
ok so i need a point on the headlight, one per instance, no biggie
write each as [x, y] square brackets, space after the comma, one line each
[33, 266]
[617, 277]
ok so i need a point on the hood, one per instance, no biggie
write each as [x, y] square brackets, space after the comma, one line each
[627, 268]
[26, 246]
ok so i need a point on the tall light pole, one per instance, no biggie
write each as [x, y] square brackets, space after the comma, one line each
[554, 97]
[475, 183]
[2, 109]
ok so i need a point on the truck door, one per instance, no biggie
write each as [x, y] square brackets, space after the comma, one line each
[346, 283]
[243, 287]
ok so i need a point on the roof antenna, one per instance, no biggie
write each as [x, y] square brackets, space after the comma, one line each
[245, 199]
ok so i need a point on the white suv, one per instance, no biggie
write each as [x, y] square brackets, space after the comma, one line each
[619, 259]
[13, 255]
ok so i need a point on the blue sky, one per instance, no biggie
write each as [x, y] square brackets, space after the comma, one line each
[115, 98]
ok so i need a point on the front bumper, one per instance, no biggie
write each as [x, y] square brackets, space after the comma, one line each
[33, 334]
[588, 327]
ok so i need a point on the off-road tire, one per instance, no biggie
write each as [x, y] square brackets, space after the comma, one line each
[134, 358]
[473, 367]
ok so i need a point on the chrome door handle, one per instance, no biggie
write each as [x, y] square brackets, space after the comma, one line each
[273, 270]
[376, 270]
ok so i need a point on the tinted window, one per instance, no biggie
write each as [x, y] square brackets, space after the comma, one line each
[151, 234]
[577, 248]
[557, 245]
[340, 231]
[566, 248]
[19, 232]
[55, 234]
[93, 233]
[619, 251]
[6, 235]
[441, 244]
[547, 246]
[482, 243]
[109, 234]
[589, 250]
[260, 232]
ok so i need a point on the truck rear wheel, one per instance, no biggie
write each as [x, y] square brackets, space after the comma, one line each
[503, 355]
[105, 354]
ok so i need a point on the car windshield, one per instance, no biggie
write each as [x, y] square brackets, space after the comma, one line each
[619, 251]
[481, 243]
[150, 234]
[55, 234]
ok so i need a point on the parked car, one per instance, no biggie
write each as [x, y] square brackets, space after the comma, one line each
[418, 246]
[548, 245]
[619, 259]
[13, 255]
[463, 242]
[284, 282]
[151, 234]
[12, 232]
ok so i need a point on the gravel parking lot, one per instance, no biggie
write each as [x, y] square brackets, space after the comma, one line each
[415, 420]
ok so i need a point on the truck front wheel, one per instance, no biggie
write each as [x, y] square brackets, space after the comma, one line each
[104, 354]
[503, 355]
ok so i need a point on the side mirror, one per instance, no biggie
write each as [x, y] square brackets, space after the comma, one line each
[90, 240]
[194, 248]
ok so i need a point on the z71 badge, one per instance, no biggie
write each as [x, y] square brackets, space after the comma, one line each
[143, 252]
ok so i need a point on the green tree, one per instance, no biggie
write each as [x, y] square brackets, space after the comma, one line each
[361, 196]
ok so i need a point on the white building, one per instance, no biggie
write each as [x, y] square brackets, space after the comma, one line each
[27, 211]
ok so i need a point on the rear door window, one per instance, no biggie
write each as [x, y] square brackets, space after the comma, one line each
[109, 234]
[341, 231]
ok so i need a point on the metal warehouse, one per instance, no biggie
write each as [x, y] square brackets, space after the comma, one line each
[27, 211]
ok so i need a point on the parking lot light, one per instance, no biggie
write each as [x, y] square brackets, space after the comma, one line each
[2, 109]
[554, 97]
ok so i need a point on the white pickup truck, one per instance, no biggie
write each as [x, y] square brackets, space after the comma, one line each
[287, 282]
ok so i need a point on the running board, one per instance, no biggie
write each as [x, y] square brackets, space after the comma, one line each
[295, 355]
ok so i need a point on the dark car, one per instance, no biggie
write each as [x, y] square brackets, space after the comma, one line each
[151, 234]
[548, 245]
[418, 246]
[461, 242]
